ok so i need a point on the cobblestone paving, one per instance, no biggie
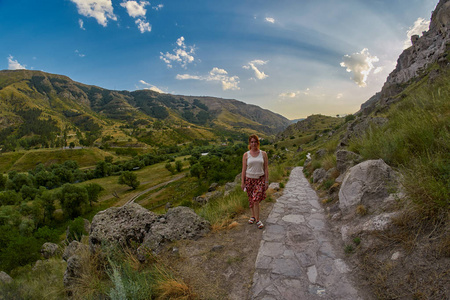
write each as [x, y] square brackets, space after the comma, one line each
[296, 258]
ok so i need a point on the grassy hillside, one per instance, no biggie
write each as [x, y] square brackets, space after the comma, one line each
[41, 110]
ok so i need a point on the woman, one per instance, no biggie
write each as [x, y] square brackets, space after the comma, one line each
[255, 177]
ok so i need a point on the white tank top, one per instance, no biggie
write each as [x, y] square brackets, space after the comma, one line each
[255, 165]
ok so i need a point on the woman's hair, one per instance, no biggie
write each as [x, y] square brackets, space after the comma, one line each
[253, 136]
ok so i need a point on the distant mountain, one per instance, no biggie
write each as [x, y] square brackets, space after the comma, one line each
[39, 108]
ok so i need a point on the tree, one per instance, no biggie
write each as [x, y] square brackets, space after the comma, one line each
[197, 170]
[93, 190]
[170, 168]
[2, 182]
[74, 200]
[130, 179]
[48, 204]
[178, 166]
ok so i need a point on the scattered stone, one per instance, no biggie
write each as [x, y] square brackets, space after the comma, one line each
[217, 248]
[49, 250]
[312, 274]
[274, 186]
[168, 205]
[319, 175]
[5, 278]
[73, 248]
[395, 256]
[213, 187]
[73, 273]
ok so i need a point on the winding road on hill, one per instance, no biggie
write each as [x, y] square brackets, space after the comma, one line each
[298, 258]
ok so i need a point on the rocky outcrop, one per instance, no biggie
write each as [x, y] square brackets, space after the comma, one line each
[427, 49]
[121, 226]
[49, 250]
[177, 224]
[368, 183]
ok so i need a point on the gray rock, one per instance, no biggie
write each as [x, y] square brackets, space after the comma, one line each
[274, 186]
[73, 273]
[319, 175]
[73, 248]
[213, 187]
[229, 186]
[367, 183]
[49, 250]
[181, 223]
[121, 226]
[346, 159]
[5, 278]
[216, 248]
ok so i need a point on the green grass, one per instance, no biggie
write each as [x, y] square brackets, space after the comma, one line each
[24, 161]
[417, 141]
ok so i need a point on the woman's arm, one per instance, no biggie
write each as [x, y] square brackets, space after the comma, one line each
[244, 170]
[266, 169]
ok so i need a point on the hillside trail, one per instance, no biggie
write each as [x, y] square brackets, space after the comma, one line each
[132, 199]
[298, 256]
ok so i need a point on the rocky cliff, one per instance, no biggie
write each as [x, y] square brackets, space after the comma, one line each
[426, 50]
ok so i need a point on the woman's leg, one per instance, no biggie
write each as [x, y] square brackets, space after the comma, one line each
[255, 210]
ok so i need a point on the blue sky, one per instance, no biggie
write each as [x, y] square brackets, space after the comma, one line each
[294, 57]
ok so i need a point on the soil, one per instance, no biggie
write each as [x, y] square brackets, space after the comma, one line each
[221, 264]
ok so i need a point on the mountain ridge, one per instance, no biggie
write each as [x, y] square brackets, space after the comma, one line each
[88, 109]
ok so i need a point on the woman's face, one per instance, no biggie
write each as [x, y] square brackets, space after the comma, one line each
[254, 144]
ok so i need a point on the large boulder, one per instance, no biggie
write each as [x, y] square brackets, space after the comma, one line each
[368, 183]
[177, 224]
[121, 226]
[346, 159]
[49, 250]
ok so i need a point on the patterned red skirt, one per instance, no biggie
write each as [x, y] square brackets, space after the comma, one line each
[256, 189]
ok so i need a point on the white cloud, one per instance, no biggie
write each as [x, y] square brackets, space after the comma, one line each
[270, 20]
[14, 64]
[288, 95]
[420, 25]
[158, 7]
[183, 55]
[339, 96]
[79, 54]
[135, 9]
[151, 87]
[252, 65]
[218, 75]
[378, 70]
[294, 94]
[143, 26]
[360, 64]
[81, 23]
[101, 10]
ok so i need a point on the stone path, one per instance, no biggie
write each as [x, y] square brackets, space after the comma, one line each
[296, 258]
